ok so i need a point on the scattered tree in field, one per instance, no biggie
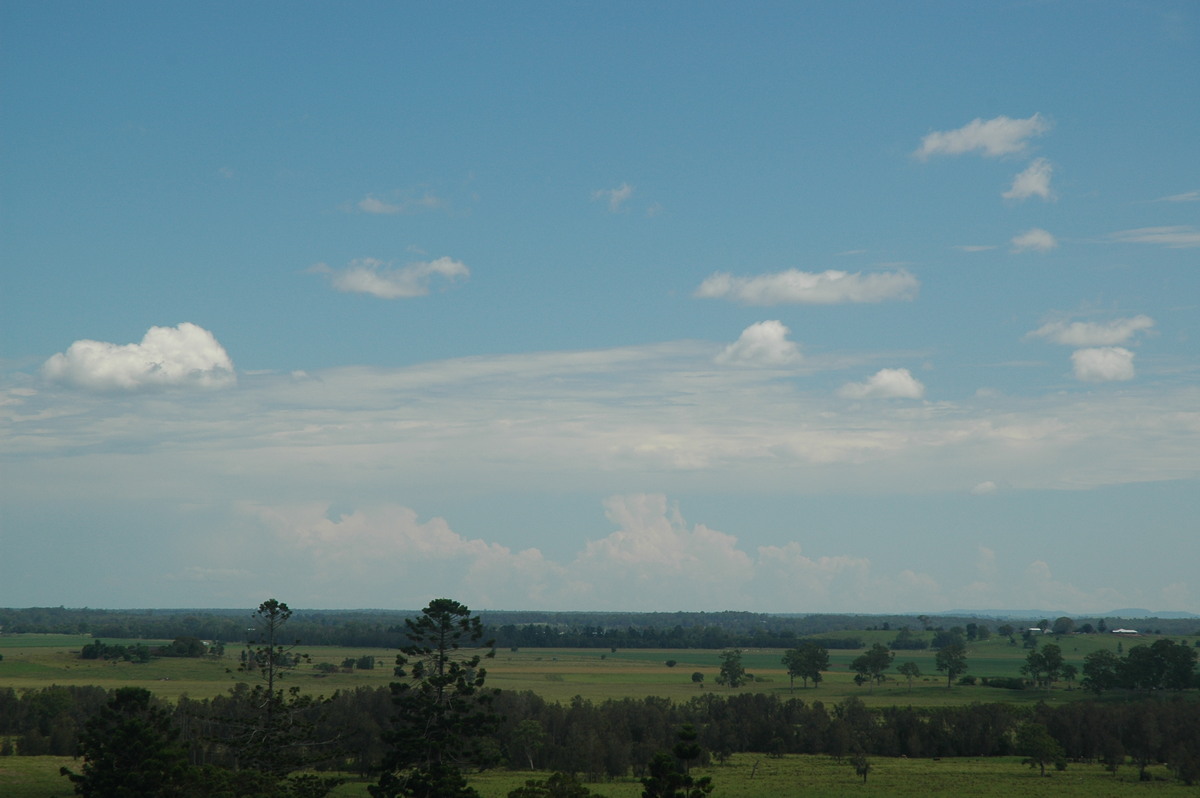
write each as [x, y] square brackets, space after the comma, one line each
[278, 738]
[948, 637]
[442, 710]
[1112, 754]
[1038, 747]
[861, 765]
[559, 785]
[807, 661]
[870, 666]
[698, 679]
[953, 660]
[130, 749]
[1008, 630]
[1044, 665]
[910, 670]
[1100, 671]
[1063, 626]
[732, 673]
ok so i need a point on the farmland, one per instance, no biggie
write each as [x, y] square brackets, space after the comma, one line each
[603, 680]
[32, 661]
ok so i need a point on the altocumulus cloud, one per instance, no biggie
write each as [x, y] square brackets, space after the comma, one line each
[167, 357]
[1087, 333]
[1033, 182]
[885, 384]
[763, 344]
[812, 288]
[1103, 364]
[992, 138]
[381, 279]
[1036, 240]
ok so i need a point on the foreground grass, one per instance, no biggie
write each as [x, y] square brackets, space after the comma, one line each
[756, 776]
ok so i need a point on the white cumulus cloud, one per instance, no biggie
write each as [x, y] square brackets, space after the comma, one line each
[615, 197]
[1033, 182]
[885, 384]
[813, 288]
[763, 344]
[1087, 333]
[377, 278]
[1036, 239]
[167, 357]
[993, 137]
[1103, 364]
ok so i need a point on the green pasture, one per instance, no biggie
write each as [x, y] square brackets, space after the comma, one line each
[756, 776]
[32, 661]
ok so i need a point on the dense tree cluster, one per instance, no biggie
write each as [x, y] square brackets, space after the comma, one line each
[1162, 665]
[619, 737]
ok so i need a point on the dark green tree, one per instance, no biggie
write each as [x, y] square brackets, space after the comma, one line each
[807, 661]
[1038, 747]
[130, 750]
[1044, 665]
[872, 665]
[732, 673]
[277, 736]
[1063, 626]
[910, 670]
[953, 660]
[861, 765]
[670, 773]
[442, 709]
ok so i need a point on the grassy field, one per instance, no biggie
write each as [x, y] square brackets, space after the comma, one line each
[32, 661]
[754, 776]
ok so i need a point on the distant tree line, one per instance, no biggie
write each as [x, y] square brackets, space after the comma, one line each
[381, 628]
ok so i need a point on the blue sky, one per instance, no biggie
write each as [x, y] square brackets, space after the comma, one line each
[787, 307]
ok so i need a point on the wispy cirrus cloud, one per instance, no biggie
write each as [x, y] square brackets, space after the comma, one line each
[1175, 237]
[1089, 333]
[381, 279]
[1033, 182]
[830, 287]
[1034, 240]
[992, 138]
[1187, 196]
[166, 357]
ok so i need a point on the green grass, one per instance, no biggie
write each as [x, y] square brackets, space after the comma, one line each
[35, 776]
[757, 776]
[754, 776]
